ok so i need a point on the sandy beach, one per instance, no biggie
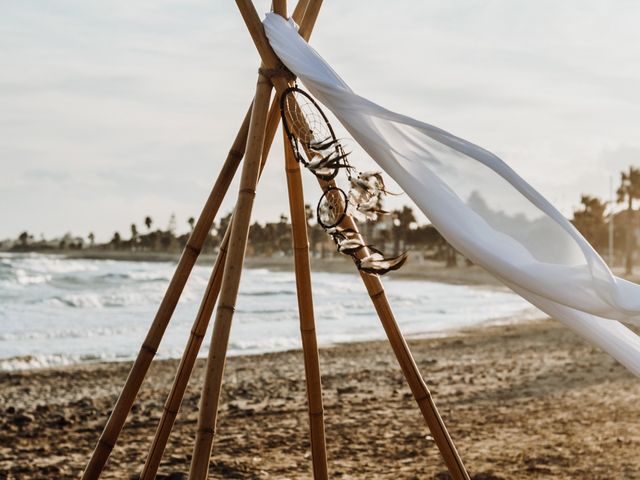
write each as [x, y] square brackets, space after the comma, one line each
[483, 155]
[522, 401]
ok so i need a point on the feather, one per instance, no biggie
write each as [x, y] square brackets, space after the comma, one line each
[378, 265]
[350, 247]
[323, 144]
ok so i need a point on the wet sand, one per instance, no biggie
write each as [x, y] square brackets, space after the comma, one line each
[525, 401]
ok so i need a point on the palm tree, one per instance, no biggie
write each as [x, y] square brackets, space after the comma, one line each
[223, 225]
[171, 227]
[628, 192]
[284, 234]
[402, 222]
[313, 231]
[92, 239]
[191, 222]
[590, 220]
[308, 213]
[24, 238]
[115, 241]
[134, 235]
[148, 222]
[256, 234]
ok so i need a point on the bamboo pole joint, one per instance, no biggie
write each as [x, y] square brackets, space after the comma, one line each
[279, 71]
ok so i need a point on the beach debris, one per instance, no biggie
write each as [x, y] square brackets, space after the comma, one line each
[346, 390]
[22, 419]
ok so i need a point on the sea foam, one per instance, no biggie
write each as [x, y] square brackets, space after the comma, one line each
[55, 311]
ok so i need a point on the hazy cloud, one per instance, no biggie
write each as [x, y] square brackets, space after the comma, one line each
[619, 158]
[128, 108]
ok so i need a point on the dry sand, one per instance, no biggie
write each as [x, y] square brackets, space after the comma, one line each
[522, 402]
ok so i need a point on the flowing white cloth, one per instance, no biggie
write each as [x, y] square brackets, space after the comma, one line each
[481, 206]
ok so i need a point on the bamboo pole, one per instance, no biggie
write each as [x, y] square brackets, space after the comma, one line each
[216, 360]
[268, 56]
[121, 409]
[375, 289]
[280, 7]
[230, 283]
[198, 330]
[312, 9]
[181, 380]
[300, 11]
[418, 386]
[305, 310]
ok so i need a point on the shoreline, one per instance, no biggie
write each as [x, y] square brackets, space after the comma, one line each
[414, 269]
[533, 316]
[522, 401]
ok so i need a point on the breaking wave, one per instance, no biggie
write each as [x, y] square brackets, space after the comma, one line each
[56, 311]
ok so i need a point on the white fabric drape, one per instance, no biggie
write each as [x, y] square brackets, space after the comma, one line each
[481, 206]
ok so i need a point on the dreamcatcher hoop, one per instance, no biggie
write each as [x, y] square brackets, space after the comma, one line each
[305, 123]
[315, 145]
[332, 208]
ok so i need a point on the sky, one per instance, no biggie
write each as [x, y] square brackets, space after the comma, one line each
[112, 111]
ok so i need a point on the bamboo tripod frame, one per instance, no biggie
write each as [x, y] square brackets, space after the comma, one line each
[253, 142]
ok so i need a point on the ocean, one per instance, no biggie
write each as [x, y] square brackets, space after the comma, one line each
[59, 311]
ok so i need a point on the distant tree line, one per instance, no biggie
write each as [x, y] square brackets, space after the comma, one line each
[395, 232]
[611, 230]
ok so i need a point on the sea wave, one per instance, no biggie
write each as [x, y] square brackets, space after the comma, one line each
[68, 333]
[26, 362]
[24, 278]
[267, 293]
[56, 311]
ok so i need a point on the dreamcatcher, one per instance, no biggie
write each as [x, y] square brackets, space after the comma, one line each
[315, 146]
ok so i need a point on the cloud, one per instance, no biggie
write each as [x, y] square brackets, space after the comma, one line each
[619, 158]
[129, 108]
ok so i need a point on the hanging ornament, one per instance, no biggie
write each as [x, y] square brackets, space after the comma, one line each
[315, 146]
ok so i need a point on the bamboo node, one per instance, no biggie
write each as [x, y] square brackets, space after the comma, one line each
[248, 191]
[194, 249]
[103, 443]
[378, 294]
[172, 411]
[231, 308]
[197, 335]
[149, 349]
[233, 153]
[207, 431]
[279, 71]
[426, 396]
